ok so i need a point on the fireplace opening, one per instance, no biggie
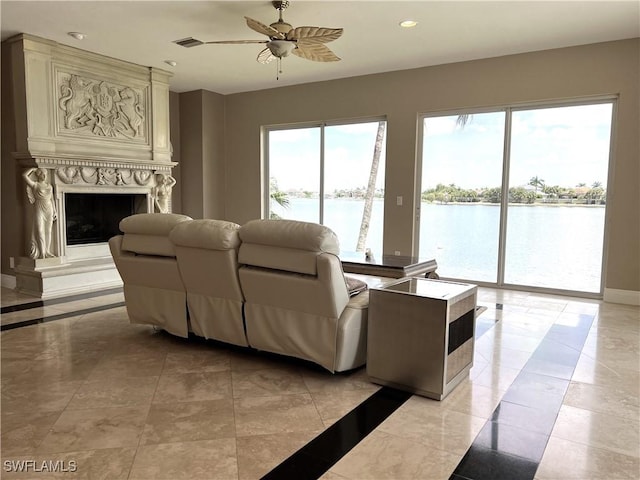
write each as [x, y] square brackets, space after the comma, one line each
[94, 217]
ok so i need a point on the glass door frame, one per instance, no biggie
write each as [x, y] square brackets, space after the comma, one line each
[504, 194]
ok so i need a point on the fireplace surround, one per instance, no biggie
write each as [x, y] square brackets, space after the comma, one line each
[96, 129]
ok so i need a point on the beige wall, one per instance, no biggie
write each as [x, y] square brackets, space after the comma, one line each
[592, 70]
[200, 136]
[12, 196]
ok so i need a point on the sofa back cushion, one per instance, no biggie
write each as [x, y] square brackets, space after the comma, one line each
[287, 245]
[207, 252]
[148, 233]
[207, 234]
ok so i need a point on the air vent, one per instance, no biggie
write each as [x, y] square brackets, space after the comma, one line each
[188, 42]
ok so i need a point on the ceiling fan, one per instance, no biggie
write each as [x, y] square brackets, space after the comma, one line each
[304, 42]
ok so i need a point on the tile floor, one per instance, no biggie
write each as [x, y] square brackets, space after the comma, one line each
[554, 394]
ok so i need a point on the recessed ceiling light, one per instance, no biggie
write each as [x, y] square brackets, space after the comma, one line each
[173, 63]
[77, 35]
[408, 23]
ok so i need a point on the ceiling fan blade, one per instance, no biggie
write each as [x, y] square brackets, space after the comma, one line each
[314, 34]
[234, 42]
[265, 56]
[316, 52]
[264, 29]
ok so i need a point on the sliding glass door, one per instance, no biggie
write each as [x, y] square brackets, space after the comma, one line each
[460, 200]
[557, 197]
[517, 196]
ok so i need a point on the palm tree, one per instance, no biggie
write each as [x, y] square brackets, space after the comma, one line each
[278, 196]
[597, 184]
[371, 188]
[536, 182]
[463, 119]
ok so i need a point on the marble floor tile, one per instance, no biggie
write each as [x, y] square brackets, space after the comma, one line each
[424, 421]
[202, 460]
[497, 377]
[189, 421]
[96, 428]
[30, 314]
[278, 413]
[258, 454]
[21, 397]
[384, 456]
[331, 475]
[206, 358]
[62, 368]
[23, 432]
[501, 355]
[514, 441]
[332, 407]
[603, 400]
[193, 387]
[10, 296]
[114, 392]
[589, 370]
[267, 382]
[473, 399]
[564, 459]
[601, 430]
[137, 364]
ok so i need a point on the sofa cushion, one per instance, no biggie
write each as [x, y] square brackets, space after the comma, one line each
[291, 234]
[148, 233]
[285, 244]
[207, 234]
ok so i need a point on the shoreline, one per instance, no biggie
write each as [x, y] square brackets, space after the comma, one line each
[522, 204]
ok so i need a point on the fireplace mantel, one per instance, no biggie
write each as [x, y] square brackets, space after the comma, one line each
[93, 124]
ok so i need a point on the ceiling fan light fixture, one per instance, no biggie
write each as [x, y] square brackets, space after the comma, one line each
[281, 48]
[408, 23]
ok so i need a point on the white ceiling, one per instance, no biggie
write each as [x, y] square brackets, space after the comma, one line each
[142, 32]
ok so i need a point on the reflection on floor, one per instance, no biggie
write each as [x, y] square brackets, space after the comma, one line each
[553, 394]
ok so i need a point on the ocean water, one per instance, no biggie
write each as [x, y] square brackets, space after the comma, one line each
[557, 247]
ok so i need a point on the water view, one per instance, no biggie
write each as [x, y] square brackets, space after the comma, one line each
[557, 246]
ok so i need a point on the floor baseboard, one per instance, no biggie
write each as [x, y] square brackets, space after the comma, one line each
[8, 281]
[626, 297]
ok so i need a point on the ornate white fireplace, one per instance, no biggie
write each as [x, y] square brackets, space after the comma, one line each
[91, 145]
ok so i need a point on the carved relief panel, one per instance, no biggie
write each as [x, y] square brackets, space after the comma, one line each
[91, 107]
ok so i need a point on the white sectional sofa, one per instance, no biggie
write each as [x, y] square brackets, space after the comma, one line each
[273, 285]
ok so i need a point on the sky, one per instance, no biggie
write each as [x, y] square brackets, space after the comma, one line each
[562, 146]
[295, 157]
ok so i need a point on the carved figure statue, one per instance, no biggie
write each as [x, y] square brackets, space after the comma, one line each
[75, 101]
[40, 195]
[102, 177]
[162, 191]
[119, 179]
[130, 113]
